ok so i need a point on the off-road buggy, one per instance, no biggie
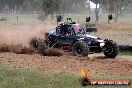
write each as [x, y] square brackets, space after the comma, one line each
[72, 37]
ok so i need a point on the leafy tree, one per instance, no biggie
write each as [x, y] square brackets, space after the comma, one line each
[50, 7]
[115, 7]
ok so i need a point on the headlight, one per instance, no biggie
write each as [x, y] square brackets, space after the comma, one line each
[102, 44]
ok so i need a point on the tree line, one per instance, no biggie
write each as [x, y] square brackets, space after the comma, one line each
[115, 7]
[48, 6]
[51, 7]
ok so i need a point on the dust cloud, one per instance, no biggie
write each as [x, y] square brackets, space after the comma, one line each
[21, 34]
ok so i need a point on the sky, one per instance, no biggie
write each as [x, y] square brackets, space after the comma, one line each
[92, 5]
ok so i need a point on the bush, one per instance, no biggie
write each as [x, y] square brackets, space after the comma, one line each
[3, 19]
[42, 17]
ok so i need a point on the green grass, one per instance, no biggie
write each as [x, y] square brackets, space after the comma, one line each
[12, 77]
[80, 18]
[128, 53]
[21, 18]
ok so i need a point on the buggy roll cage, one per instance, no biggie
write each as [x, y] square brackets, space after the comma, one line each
[67, 28]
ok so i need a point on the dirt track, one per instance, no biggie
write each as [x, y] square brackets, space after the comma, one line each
[97, 64]
[20, 34]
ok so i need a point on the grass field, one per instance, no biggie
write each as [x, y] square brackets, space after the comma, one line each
[127, 53]
[80, 18]
[13, 77]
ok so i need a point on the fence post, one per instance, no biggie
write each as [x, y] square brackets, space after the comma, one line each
[17, 19]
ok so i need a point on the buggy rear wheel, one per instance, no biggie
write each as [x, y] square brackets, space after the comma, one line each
[38, 44]
[41, 47]
[33, 43]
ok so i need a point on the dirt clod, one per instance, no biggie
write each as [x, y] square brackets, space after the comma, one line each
[18, 49]
[52, 52]
[27, 51]
[4, 48]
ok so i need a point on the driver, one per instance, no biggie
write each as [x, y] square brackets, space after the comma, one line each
[63, 29]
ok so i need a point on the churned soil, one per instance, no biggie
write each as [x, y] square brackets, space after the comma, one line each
[99, 65]
[16, 39]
